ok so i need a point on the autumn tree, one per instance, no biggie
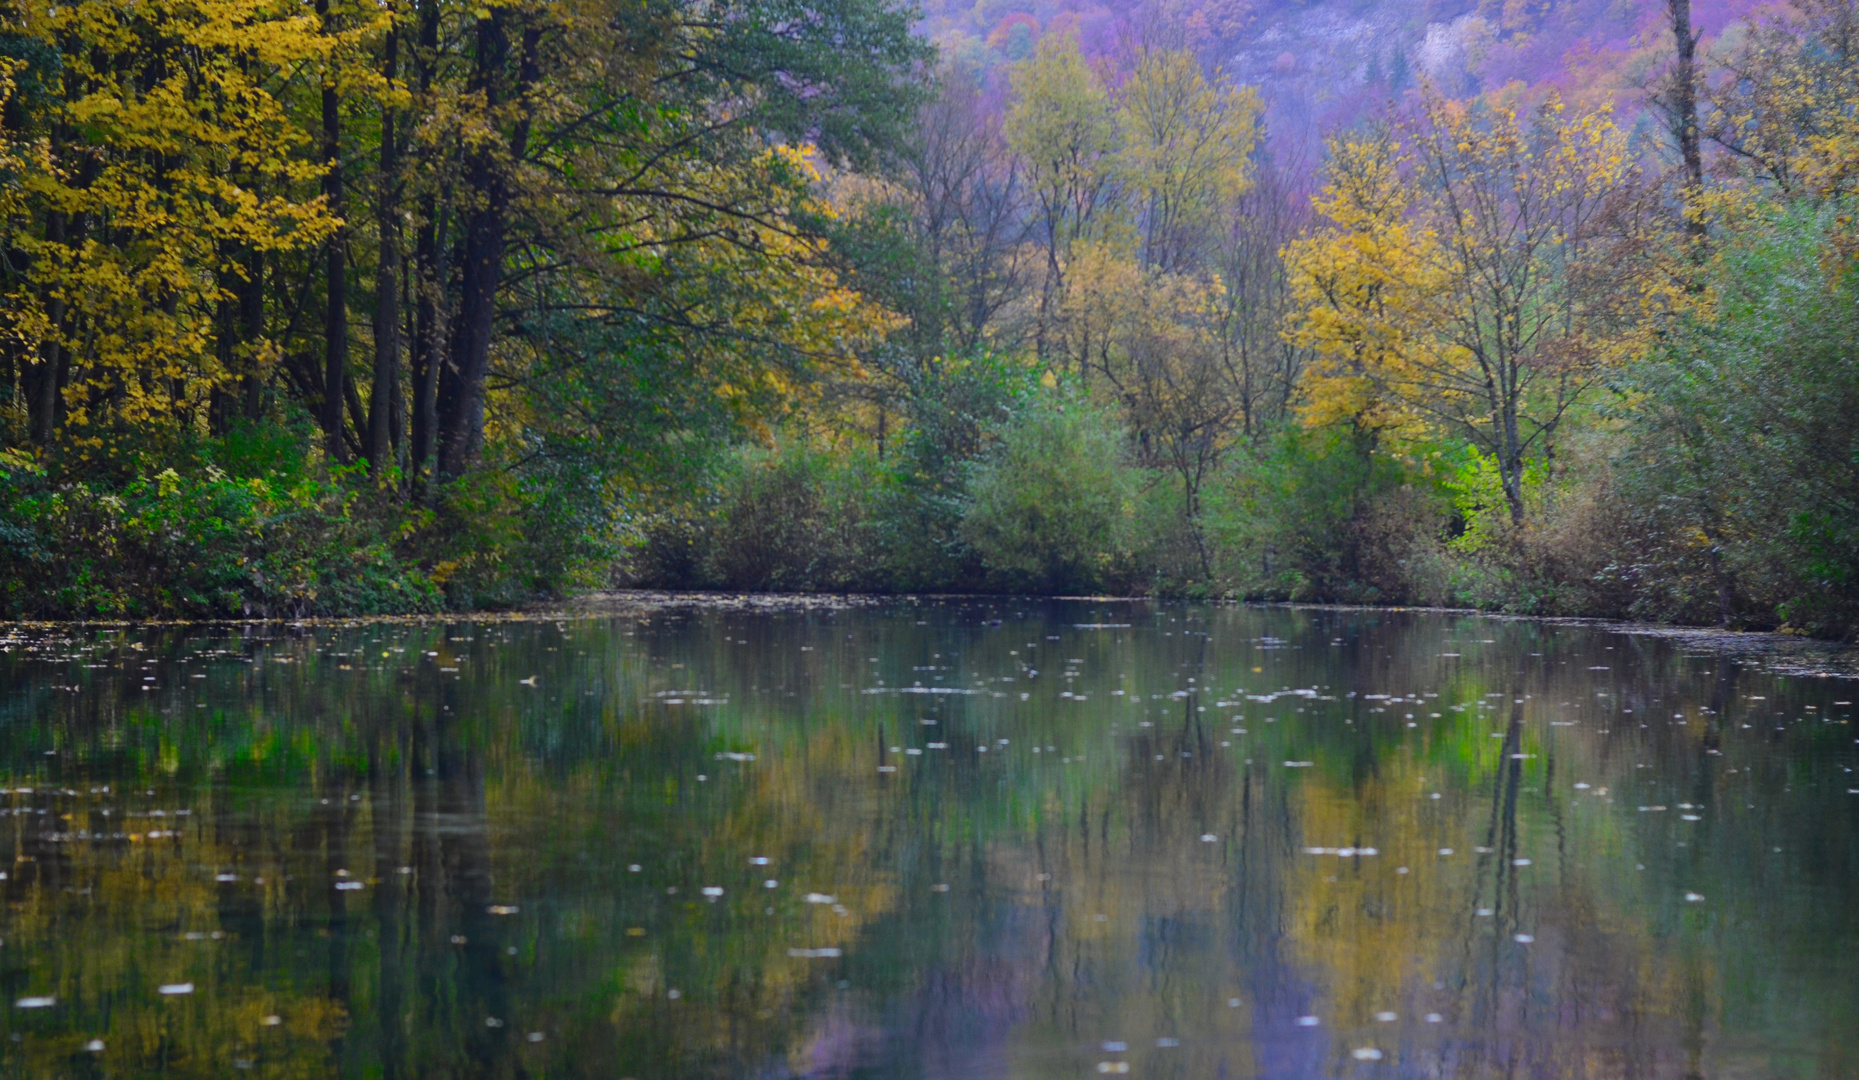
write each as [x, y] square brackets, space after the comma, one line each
[1477, 271]
[168, 168]
[1061, 126]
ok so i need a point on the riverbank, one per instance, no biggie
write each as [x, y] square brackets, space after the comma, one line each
[1780, 653]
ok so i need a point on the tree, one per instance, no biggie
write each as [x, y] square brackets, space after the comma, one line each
[171, 167]
[1186, 154]
[1062, 128]
[1479, 272]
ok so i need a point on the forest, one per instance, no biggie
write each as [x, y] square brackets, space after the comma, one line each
[397, 306]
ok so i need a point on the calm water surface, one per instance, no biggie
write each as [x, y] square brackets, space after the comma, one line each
[936, 840]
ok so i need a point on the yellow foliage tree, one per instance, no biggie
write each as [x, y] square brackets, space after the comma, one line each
[1477, 271]
[1186, 155]
[1061, 126]
[166, 153]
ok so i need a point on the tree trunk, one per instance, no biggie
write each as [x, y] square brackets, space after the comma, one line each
[381, 405]
[429, 283]
[335, 267]
[1684, 111]
[42, 404]
[462, 410]
[252, 314]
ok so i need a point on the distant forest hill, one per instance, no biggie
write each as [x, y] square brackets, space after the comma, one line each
[1325, 64]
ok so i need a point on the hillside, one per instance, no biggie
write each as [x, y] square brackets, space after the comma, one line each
[1326, 63]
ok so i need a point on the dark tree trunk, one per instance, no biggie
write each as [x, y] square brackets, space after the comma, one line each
[429, 283]
[1684, 110]
[252, 314]
[335, 268]
[42, 394]
[462, 409]
[382, 404]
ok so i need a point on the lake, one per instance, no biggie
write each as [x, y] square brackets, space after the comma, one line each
[936, 839]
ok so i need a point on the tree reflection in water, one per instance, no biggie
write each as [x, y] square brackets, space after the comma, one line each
[378, 850]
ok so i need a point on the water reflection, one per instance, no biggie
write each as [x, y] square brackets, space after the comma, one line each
[924, 840]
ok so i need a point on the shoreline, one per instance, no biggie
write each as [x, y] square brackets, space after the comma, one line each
[1781, 652]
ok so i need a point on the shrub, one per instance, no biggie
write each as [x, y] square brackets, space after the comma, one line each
[1051, 504]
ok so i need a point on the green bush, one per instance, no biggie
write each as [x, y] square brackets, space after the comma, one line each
[1325, 515]
[1051, 505]
[200, 545]
[1742, 472]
